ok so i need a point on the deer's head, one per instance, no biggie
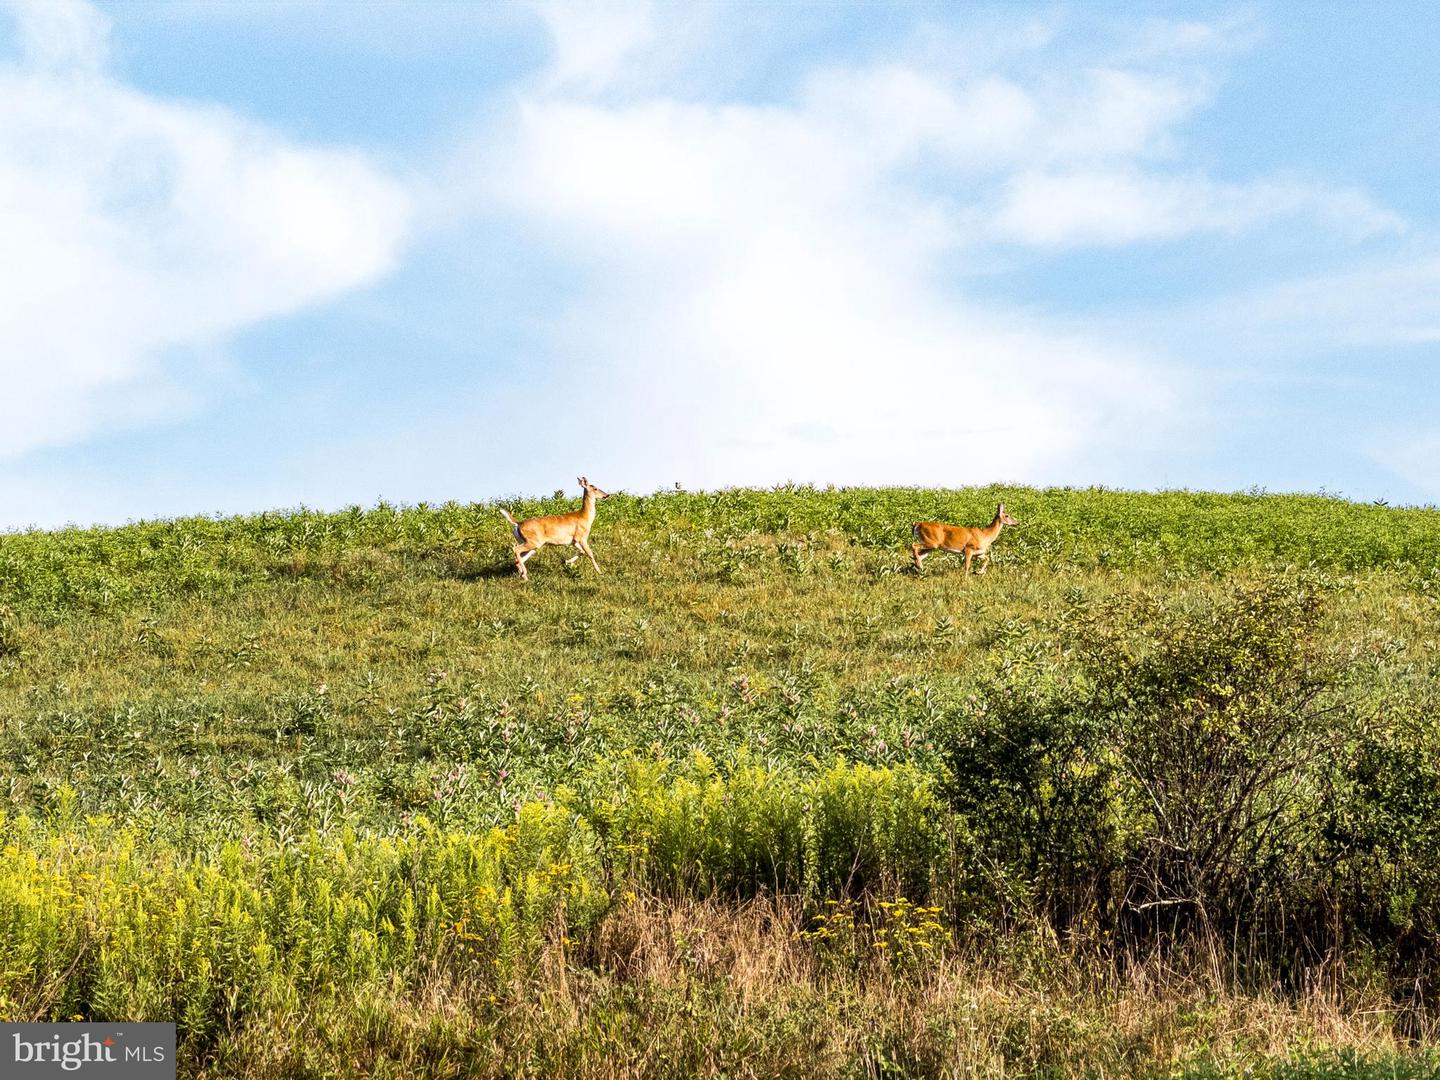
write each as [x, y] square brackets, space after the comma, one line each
[1004, 518]
[591, 489]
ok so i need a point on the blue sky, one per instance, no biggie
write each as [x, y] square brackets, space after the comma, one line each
[267, 254]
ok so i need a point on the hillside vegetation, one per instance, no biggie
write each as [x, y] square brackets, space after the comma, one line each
[1158, 794]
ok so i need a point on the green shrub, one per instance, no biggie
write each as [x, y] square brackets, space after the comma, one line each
[1174, 769]
[1384, 829]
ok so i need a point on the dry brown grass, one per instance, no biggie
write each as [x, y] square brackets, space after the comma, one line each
[711, 988]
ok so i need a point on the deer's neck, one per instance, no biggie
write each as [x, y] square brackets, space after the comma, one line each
[587, 506]
[993, 529]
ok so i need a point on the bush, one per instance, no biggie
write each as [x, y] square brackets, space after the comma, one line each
[1384, 828]
[1173, 770]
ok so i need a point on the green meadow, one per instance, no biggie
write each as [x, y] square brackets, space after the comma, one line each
[1156, 795]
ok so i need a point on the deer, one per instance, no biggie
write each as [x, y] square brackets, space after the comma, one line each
[572, 529]
[960, 539]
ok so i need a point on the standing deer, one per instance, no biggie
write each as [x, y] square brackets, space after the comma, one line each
[573, 528]
[960, 539]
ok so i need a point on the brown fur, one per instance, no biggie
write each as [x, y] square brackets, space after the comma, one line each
[960, 539]
[571, 529]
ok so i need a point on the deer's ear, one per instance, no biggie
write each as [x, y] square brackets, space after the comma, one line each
[582, 480]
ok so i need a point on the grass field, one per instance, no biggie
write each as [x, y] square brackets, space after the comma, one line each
[1159, 794]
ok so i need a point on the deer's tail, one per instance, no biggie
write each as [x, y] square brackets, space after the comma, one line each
[509, 517]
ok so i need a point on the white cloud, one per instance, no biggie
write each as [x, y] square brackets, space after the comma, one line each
[138, 229]
[993, 122]
[779, 290]
[1082, 156]
[1375, 304]
[67, 36]
[592, 42]
[1117, 206]
[1223, 34]
[765, 300]
[1393, 303]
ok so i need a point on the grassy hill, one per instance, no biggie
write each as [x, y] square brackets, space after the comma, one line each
[1158, 793]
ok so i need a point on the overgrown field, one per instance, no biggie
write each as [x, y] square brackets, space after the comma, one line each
[1159, 794]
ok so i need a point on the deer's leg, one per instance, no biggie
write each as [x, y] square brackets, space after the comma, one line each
[572, 559]
[522, 554]
[969, 553]
[584, 546]
[983, 558]
[919, 551]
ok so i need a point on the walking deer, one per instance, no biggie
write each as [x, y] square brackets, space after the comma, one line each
[565, 529]
[960, 539]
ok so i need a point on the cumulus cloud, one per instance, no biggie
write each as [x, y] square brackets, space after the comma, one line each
[1074, 158]
[776, 290]
[138, 232]
[765, 306]
[783, 289]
